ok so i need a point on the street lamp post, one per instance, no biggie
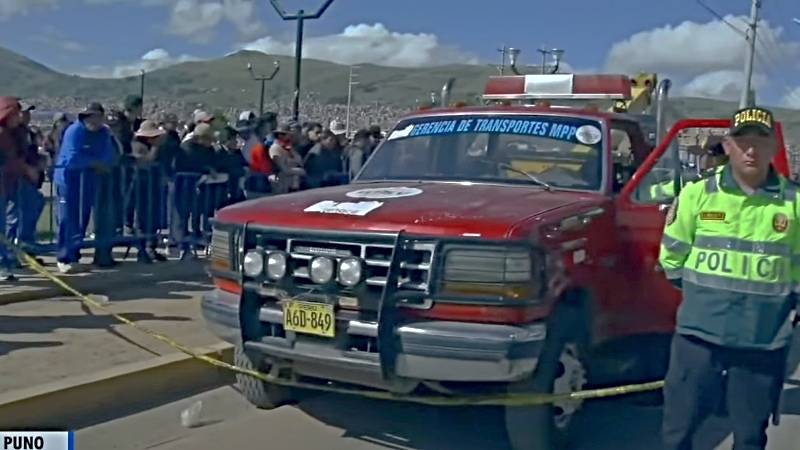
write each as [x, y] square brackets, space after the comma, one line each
[350, 85]
[263, 80]
[141, 85]
[300, 17]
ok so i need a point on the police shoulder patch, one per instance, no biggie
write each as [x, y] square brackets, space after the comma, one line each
[672, 212]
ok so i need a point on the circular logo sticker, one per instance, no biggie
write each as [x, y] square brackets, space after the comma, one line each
[588, 134]
[381, 193]
[780, 222]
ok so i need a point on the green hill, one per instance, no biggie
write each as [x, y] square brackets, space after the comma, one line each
[225, 82]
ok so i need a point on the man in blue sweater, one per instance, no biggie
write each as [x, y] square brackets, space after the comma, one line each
[86, 151]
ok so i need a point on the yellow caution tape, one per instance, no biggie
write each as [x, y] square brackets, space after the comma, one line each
[516, 399]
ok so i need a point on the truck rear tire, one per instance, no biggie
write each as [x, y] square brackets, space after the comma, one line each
[560, 371]
[260, 393]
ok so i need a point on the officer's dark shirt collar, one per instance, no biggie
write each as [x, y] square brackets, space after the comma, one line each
[770, 189]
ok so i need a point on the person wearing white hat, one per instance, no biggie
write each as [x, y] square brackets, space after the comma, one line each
[340, 131]
[199, 116]
[147, 184]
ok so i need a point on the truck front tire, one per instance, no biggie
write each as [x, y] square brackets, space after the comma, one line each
[260, 393]
[560, 371]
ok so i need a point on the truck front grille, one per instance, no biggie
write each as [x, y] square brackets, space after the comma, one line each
[415, 270]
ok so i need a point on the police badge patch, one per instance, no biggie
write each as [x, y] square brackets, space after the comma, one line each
[780, 222]
[672, 212]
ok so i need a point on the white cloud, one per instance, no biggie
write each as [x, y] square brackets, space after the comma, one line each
[198, 18]
[704, 59]
[792, 98]
[154, 59]
[9, 8]
[720, 85]
[692, 48]
[364, 43]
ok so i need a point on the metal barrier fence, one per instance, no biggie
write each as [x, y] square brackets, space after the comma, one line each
[126, 205]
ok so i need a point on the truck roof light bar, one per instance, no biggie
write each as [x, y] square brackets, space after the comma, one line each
[558, 87]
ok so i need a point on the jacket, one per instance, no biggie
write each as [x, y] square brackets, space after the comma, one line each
[737, 257]
[81, 149]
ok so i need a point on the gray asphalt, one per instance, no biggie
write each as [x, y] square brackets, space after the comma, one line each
[332, 422]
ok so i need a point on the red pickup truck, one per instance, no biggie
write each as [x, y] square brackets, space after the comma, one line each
[480, 250]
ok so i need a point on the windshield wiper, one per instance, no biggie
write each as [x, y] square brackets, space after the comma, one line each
[531, 177]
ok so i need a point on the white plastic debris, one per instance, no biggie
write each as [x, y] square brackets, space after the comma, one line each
[190, 417]
[102, 299]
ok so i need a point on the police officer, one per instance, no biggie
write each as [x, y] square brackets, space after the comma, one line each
[730, 242]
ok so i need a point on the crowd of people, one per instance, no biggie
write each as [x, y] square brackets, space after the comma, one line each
[146, 175]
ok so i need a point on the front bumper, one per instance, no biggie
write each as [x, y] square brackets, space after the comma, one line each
[428, 350]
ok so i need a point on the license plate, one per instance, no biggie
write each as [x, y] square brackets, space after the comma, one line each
[309, 318]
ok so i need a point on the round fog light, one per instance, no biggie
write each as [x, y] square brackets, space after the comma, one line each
[321, 270]
[350, 270]
[276, 265]
[253, 263]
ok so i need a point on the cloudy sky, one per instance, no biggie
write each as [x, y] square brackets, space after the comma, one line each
[677, 38]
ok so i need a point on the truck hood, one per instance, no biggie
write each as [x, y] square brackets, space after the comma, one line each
[429, 208]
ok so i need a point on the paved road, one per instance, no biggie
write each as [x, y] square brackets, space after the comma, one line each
[46, 340]
[332, 422]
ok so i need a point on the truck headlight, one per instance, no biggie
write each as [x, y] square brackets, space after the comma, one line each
[350, 271]
[479, 264]
[253, 264]
[321, 270]
[276, 265]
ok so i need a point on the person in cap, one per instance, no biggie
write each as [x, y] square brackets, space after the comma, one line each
[309, 137]
[267, 124]
[53, 139]
[339, 130]
[357, 152]
[199, 116]
[288, 163]
[26, 206]
[324, 162]
[195, 159]
[12, 168]
[731, 243]
[86, 150]
[375, 137]
[124, 123]
[231, 162]
[147, 182]
[256, 154]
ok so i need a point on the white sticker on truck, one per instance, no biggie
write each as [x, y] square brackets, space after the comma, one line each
[589, 135]
[381, 193]
[345, 208]
[401, 133]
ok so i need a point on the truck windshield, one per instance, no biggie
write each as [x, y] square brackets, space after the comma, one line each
[563, 152]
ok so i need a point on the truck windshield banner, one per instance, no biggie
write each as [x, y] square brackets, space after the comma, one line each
[579, 131]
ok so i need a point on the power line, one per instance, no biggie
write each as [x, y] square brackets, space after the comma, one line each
[719, 16]
[775, 53]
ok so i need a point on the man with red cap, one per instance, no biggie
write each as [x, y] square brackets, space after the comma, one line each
[12, 167]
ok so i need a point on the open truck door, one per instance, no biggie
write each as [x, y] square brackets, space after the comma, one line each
[641, 209]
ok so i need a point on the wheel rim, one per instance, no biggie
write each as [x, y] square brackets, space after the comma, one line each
[571, 378]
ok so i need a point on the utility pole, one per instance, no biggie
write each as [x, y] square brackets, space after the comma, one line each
[263, 80]
[141, 87]
[503, 51]
[747, 97]
[350, 83]
[300, 17]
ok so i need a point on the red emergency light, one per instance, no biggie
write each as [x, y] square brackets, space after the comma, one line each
[558, 86]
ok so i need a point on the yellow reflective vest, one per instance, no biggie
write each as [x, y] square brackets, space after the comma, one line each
[738, 259]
